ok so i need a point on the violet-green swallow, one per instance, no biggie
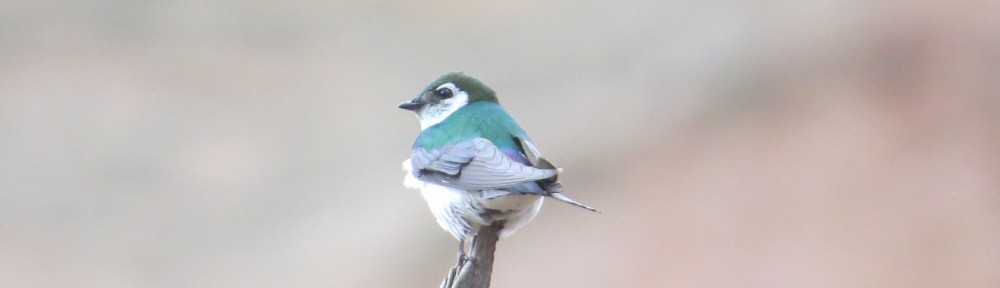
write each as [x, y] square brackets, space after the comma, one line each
[473, 164]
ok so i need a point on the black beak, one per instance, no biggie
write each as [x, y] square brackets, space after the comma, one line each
[412, 105]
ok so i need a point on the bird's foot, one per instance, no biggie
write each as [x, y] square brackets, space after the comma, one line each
[463, 259]
[461, 254]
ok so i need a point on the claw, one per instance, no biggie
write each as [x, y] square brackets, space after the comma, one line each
[449, 280]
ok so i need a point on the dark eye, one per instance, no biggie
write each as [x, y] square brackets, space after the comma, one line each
[443, 93]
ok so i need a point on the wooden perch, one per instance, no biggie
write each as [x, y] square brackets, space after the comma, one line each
[478, 269]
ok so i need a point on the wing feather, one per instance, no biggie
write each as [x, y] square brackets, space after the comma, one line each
[476, 164]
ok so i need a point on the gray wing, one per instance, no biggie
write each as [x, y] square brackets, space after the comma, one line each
[476, 164]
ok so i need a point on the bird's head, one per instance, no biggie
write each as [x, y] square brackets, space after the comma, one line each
[446, 95]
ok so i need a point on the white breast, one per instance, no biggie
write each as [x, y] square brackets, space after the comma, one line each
[460, 212]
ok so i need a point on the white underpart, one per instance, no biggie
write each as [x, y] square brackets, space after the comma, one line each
[434, 114]
[454, 208]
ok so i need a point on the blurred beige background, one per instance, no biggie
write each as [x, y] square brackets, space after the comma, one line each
[729, 143]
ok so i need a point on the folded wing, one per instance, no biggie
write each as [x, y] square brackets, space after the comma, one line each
[475, 164]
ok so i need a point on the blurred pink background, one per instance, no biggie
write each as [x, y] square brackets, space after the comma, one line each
[729, 144]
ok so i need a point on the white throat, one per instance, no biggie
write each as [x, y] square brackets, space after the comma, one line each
[435, 113]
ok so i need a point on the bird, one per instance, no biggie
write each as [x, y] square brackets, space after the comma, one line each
[473, 164]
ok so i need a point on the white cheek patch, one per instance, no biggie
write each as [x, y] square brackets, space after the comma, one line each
[436, 113]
